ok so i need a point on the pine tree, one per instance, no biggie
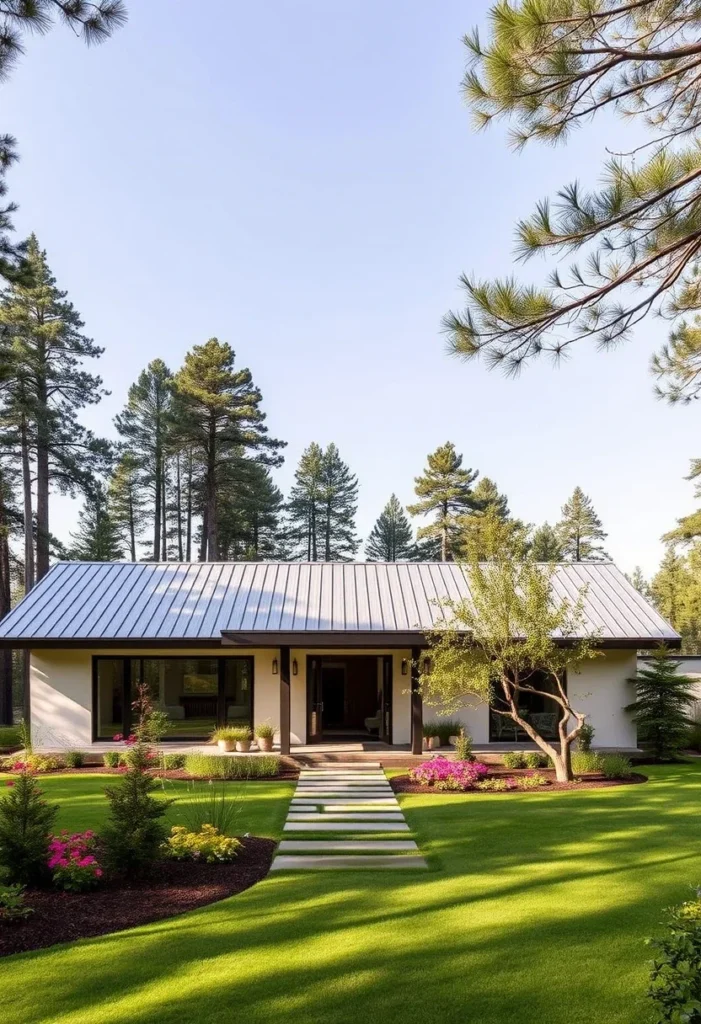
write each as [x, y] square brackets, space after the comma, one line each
[97, 538]
[303, 509]
[391, 538]
[146, 425]
[489, 531]
[220, 418]
[339, 504]
[688, 528]
[546, 545]
[662, 704]
[45, 353]
[580, 529]
[10, 526]
[676, 592]
[637, 580]
[445, 491]
[250, 518]
[126, 503]
[669, 584]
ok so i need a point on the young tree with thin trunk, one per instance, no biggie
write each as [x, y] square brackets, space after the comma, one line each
[220, 417]
[391, 538]
[580, 529]
[444, 491]
[551, 67]
[516, 637]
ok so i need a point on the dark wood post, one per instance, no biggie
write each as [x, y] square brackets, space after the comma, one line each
[284, 700]
[417, 712]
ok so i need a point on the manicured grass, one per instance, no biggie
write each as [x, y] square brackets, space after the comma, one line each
[535, 910]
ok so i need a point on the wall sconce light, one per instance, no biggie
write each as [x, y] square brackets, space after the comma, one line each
[275, 666]
[427, 666]
[294, 666]
[405, 666]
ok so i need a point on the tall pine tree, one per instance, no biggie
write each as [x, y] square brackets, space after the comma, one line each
[391, 538]
[97, 538]
[339, 506]
[250, 517]
[127, 504]
[445, 492]
[303, 509]
[580, 530]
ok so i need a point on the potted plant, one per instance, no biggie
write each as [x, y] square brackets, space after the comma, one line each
[242, 736]
[430, 738]
[225, 738]
[265, 734]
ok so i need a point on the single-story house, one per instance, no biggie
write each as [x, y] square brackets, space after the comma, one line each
[325, 651]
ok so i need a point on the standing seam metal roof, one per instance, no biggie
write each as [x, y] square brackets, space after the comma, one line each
[105, 601]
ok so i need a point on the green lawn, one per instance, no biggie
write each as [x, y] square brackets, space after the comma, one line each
[534, 912]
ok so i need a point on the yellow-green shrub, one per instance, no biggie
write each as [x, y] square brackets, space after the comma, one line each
[208, 845]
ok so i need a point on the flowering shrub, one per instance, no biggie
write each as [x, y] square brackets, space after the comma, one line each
[534, 780]
[494, 785]
[445, 774]
[72, 861]
[32, 763]
[208, 845]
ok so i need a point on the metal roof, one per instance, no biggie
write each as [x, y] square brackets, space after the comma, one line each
[103, 602]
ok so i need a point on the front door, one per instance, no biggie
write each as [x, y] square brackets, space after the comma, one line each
[315, 701]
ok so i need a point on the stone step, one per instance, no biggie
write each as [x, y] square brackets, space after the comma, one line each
[345, 826]
[347, 846]
[310, 862]
[343, 783]
[345, 816]
[359, 765]
[344, 787]
[351, 805]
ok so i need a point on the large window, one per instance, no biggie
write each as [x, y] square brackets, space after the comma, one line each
[197, 694]
[540, 711]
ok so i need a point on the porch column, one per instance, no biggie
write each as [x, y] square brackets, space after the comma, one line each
[284, 700]
[417, 713]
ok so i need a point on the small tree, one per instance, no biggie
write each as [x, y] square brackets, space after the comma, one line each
[134, 830]
[26, 821]
[514, 636]
[661, 707]
[580, 529]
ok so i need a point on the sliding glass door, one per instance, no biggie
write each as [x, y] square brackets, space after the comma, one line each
[197, 694]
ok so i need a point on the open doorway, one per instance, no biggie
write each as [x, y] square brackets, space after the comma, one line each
[349, 698]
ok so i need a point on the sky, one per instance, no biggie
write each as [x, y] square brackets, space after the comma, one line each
[301, 180]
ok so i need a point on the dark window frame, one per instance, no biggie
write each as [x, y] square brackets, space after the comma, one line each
[127, 660]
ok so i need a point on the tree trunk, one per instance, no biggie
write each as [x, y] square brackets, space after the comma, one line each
[327, 534]
[164, 521]
[179, 506]
[5, 604]
[211, 493]
[158, 487]
[42, 562]
[28, 518]
[444, 536]
[132, 527]
[188, 522]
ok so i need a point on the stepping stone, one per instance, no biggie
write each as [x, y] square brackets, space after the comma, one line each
[363, 861]
[331, 765]
[358, 806]
[380, 801]
[347, 845]
[355, 816]
[342, 775]
[345, 826]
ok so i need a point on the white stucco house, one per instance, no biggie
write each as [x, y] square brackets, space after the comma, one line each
[327, 652]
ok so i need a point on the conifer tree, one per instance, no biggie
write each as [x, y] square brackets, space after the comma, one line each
[391, 538]
[249, 521]
[662, 704]
[637, 579]
[44, 355]
[304, 512]
[580, 530]
[126, 502]
[688, 528]
[339, 504]
[489, 531]
[444, 491]
[221, 419]
[146, 426]
[97, 538]
[546, 545]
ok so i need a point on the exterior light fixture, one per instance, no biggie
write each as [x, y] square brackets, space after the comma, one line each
[275, 666]
[405, 666]
[427, 666]
[294, 666]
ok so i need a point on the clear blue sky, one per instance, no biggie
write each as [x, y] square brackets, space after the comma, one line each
[301, 180]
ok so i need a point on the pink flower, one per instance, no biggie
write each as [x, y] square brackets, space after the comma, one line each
[10, 782]
[118, 737]
[131, 739]
[98, 872]
[86, 862]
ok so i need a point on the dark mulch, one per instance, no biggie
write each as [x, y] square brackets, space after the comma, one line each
[176, 886]
[403, 784]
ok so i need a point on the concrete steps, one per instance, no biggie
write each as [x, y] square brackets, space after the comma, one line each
[342, 798]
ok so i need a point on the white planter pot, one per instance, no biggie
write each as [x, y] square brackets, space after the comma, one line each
[243, 746]
[265, 743]
[435, 742]
[226, 745]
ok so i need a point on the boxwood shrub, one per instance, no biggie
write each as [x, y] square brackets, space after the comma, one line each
[219, 766]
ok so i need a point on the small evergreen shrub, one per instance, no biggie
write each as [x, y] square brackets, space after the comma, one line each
[514, 759]
[586, 761]
[585, 738]
[662, 705]
[616, 766]
[111, 759]
[675, 979]
[173, 762]
[25, 831]
[207, 845]
[534, 759]
[74, 759]
[134, 831]
[12, 904]
[219, 766]
[463, 747]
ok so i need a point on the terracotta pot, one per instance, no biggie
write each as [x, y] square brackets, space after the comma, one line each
[425, 743]
[226, 745]
[265, 743]
[243, 746]
[435, 742]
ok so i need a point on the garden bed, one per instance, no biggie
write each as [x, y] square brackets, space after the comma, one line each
[173, 888]
[403, 784]
[286, 774]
